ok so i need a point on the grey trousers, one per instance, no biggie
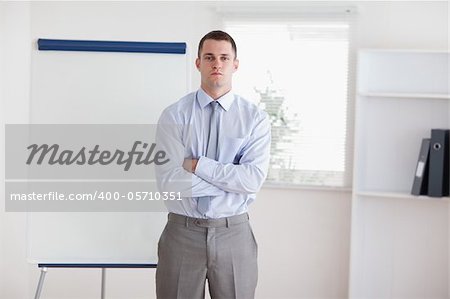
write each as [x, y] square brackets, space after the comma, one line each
[222, 251]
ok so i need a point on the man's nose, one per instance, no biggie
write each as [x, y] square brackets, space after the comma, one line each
[217, 64]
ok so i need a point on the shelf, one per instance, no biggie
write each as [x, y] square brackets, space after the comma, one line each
[399, 195]
[404, 51]
[404, 73]
[405, 95]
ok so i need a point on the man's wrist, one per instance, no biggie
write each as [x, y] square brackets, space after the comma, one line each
[194, 165]
[190, 165]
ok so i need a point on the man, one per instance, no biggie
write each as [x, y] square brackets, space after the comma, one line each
[208, 236]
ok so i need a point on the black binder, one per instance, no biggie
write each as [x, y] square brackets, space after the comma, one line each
[420, 184]
[438, 179]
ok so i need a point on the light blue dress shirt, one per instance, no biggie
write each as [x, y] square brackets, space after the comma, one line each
[243, 153]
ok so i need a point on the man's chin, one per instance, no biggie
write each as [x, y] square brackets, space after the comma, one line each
[216, 84]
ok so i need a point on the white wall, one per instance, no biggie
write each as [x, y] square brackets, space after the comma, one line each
[304, 243]
[303, 235]
[2, 136]
[15, 68]
[403, 24]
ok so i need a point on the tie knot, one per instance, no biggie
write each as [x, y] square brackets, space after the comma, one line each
[215, 105]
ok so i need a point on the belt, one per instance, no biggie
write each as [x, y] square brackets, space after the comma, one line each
[217, 222]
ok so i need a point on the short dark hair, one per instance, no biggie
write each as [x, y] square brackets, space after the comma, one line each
[217, 35]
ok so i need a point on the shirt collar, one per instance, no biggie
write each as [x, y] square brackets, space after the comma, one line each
[225, 101]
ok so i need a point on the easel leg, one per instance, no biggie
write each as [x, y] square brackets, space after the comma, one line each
[41, 283]
[103, 283]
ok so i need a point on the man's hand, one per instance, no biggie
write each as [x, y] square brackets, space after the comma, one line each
[190, 164]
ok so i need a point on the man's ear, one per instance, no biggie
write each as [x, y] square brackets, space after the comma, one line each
[197, 63]
[236, 64]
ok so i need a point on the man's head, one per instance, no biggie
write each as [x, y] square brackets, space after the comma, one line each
[217, 62]
[217, 35]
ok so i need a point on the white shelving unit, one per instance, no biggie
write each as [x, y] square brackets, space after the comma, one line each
[400, 242]
[405, 95]
[399, 195]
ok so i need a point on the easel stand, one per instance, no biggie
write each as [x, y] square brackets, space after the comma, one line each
[44, 269]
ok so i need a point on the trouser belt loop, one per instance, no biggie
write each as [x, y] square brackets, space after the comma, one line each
[187, 221]
[228, 223]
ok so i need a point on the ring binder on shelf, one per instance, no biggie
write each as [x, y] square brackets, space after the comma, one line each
[438, 179]
[420, 184]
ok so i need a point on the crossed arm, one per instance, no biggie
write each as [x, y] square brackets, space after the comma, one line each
[212, 178]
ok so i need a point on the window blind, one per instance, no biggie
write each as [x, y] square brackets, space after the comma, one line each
[297, 70]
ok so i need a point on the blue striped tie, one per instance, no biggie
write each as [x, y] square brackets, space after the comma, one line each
[204, 202]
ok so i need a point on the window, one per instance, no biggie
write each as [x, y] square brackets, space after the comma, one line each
[297, 71]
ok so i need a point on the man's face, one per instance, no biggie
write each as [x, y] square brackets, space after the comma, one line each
[216, 64]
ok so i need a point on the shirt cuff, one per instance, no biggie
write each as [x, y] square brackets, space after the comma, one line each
[205, 168]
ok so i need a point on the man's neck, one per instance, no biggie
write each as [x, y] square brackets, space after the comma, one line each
[215, 93]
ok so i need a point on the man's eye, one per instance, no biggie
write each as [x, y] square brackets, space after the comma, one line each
[225, 58]
[208, 58]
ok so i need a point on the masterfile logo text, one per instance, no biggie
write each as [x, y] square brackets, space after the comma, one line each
[52, 154]
[76, 168]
